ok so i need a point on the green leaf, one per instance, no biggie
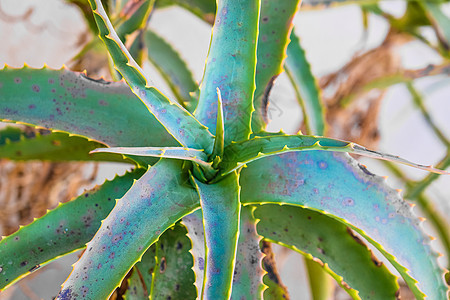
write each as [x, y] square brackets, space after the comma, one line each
[221, 209]
[337, 186]
[172, 68]
[248, 274]
[320, 283]
[204, 9]
[219, 139]
[173, 277]
[247, 279]
[140, 282]
[134, 17]
[69, 101]
[154, 203]
[194, 155]
[275, 289]
[308, 94]
[62, 230]
[18, 144]
[275, 24]
[230, 66]
[177, 121]
[241, 153]
[439, 21]
[194, 226]
[330, 243]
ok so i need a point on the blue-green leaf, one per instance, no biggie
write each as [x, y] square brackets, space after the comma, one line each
[308, 94]
[336, 185]
[154, 203]
[177, 121]
[230, 66]
[221, 209]
[62, 230]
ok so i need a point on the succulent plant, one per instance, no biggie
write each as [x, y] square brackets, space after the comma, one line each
[209, 182]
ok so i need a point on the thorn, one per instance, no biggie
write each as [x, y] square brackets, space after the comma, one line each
[421, 219]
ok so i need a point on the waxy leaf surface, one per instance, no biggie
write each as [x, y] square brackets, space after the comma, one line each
[275, 24]
[320, 237]
[336, 185]
[172, 67]
[299, 71]
[69, 101]
[65, 229]
[230, 66]
[221, 209]
[154, 203]
[177, 120]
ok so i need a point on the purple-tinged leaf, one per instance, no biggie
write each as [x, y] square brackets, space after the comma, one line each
[155, 202]
[72, 102]
[221, 209]
[275, 25]
[238, 154]
[187, 130]
[331, 244]
[230, 66]
[336, 185]
[62, 230]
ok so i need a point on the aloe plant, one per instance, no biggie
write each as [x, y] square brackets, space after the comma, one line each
[209, 182]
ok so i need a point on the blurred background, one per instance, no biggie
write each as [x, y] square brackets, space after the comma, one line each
[348, 49]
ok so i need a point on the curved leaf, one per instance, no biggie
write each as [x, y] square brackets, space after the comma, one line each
[172, 67]
[248, 273]
[178, 122]
[155, 202]
[173, 277]
[69, 101]
[275, 24]
[230, 66]
[339, 187]
[18, 144]
[308, 94]
[238, 154]
[194, 155]
[62, 230]
[221, 209]
[338, 250]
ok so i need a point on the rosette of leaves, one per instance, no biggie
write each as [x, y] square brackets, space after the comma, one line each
[206, 172]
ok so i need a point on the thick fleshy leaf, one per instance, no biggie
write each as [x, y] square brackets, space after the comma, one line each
[248, 273]
[330, 243]
[194, 155]
[154, 203]
[275, 289]
[18, 144]
[136, 290]
[204, 9]
[140, 282]
[69, 101]
[194, 226]
[299, 71]
[173, 68]
[173, 277]
[336, 185]
[238, 154]
[134, 16]
[221, 209]
[219, 139]
[275, 25]
[247, 279]
[230, 66]
[177, 121]
[62, 230]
